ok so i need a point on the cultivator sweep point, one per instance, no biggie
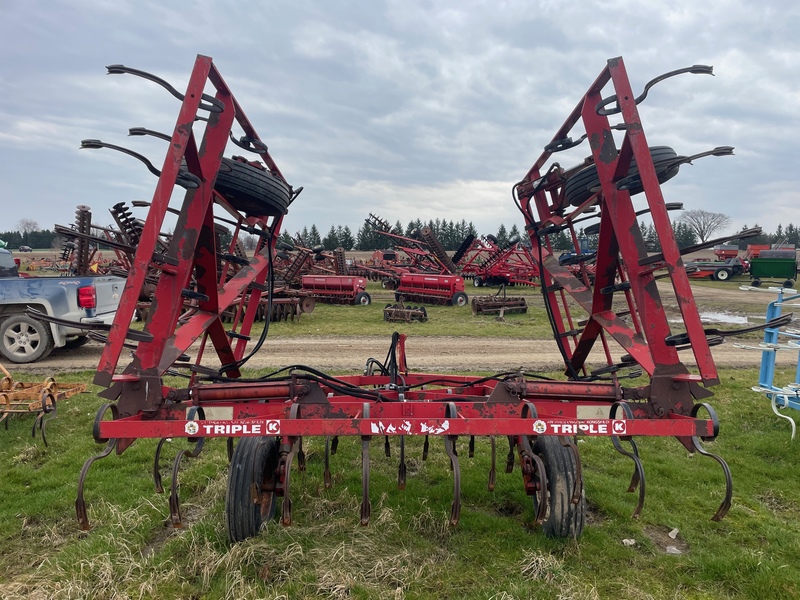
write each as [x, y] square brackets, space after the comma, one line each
[539, 417]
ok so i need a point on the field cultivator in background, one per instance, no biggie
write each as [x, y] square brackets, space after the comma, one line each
[487, 262]
[780, 335]
[536, 417]
[40, 399]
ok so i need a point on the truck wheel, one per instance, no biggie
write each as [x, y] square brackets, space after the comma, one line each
[459, 299]
[251, 500]
[77, 342]
[362, 298]
[722, 274]
[251, 190]
[564, 519]
[25, 340]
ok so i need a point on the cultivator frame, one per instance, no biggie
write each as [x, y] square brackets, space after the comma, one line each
[539, 417]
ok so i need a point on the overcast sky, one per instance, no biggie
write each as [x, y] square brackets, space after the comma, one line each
[408, 109]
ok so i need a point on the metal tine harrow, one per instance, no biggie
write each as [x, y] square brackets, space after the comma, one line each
[779, 336]
[270, 415]
[25, 398]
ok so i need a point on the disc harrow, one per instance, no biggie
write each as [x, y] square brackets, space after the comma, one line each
[540, 418]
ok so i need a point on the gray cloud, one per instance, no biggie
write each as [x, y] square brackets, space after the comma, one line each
[408, 109]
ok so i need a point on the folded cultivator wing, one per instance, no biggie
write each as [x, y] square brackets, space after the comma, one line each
[538, 418]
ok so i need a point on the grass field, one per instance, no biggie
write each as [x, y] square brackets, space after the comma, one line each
[408, 550]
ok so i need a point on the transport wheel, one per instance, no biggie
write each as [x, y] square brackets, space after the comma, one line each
[722, 274]
[578, 188]
[459, 299]
[788, 283]
[362, 298]
[252, 475]
[477, 282]
[756, 283]
[251, 190]
[564, 519]
[25, 340]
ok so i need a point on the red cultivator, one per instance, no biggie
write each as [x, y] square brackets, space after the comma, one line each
[538, 417]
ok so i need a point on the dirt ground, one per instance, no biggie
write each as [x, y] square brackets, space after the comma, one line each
[432, 353]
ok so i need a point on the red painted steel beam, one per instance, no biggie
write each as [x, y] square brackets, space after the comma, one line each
[405, 426]
[155, 219]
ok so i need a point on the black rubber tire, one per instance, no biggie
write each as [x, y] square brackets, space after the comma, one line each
[362, 298]
[788, 283]
[722, 274]
[491, 238]
[459, 299]
[756, 283]
[251, 190]
[253, 462]
[564, 519]
[477, 281]
[77, 342]
[25, 340]
[578, 188]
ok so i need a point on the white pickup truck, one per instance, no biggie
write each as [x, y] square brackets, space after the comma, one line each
[86, 300]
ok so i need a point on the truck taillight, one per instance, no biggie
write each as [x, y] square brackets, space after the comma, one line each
[87, 297]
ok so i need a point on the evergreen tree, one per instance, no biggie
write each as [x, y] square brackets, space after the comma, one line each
[331, 241]
[792, 235]
[305, 239]
[313, 235]
[514, 231]
[684, 236]
[346, 238]
[502, 235]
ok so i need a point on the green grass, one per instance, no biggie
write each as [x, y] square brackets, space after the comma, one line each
[408, 550]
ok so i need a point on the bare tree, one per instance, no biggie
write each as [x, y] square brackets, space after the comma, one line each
[704, 224]
[27, 226]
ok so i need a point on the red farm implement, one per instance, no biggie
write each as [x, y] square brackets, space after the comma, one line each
[337, 289]
[488, 263]
[540, 418]
[432, 289]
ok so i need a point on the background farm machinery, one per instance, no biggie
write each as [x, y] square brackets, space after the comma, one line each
[539, 417]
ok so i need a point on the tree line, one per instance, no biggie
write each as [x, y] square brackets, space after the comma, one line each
[450, 233]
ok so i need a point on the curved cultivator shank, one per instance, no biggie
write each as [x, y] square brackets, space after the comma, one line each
[603, 305]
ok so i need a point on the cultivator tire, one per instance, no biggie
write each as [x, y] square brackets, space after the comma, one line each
[362, 298]
[25, 340]
[247, 503]
[564, 519]
[251, 190]
[580, 187]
